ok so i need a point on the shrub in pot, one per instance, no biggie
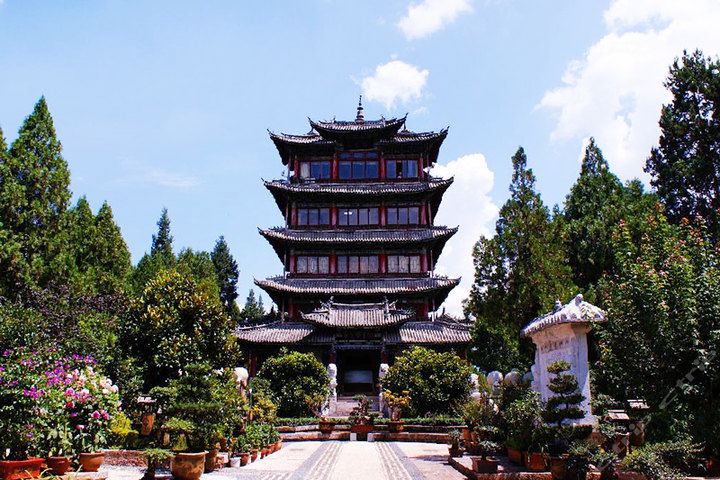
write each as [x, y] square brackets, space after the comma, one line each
[480, 416]
[485, 464]
[520, 418]
[255, 440]
[155, 457]
[645, 464]
[455, 437]
[397, 404]
[317, 404]
[361, 422]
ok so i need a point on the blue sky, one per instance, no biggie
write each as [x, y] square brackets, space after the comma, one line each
[167, 103]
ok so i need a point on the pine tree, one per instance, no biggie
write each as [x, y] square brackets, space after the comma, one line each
[111, 255]
[564, 404]
[34, 196]
[252, 311]
[685, 167]
[162, 242]
[83, 235]
[519, 273]
[593, 208]
[227, 273]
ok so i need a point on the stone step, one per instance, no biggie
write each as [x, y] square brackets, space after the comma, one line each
[346, 403]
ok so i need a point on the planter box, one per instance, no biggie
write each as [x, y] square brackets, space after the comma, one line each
[361, 431]
[396, 426]
[535, 462]
[630, 476]
[20, 469]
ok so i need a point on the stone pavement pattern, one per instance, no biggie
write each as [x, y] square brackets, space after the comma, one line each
[335, 461]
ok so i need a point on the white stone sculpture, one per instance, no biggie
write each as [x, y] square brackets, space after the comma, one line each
[331, 405]
[384, 367]
[474, 381]
[494, 379]
[512, 378]
[562, 335]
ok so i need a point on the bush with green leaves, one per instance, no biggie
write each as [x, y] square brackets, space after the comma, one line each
[520, 418]
[437, 382]
[291, 376]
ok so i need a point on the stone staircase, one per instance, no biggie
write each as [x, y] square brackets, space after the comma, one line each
[345, 404]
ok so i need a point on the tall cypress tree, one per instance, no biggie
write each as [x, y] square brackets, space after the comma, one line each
[34, 196]
[162, 242]
[83, 235]
[111, 254]
[519, 273]
[227, 273]
[685, 167]
[593, 208]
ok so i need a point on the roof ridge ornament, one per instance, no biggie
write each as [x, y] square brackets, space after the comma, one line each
[360, 117]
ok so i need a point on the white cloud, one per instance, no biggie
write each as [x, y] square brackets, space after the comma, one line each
[394, 81]
[429, 16]
[616, 91]
[467, 204]
[157, 176]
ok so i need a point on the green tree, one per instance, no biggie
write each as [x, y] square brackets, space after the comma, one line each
[593, 208]
[519, 273]
[162, 242]
[663, 303]
[227, 273]
[685, 167]
[34, 196]
[176, 322]
[112, 257]
[253, 309]
[199, 266]
[437, 382]
[291, 376]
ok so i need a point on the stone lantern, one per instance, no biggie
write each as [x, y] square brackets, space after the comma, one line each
[562, 335]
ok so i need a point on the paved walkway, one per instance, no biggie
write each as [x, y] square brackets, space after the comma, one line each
[336, 461]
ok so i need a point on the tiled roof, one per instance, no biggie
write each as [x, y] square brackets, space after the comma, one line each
[373, 315]
[429, 332]
[278, 332]
[357, 286]
[357, 189]
[406, 136]
[355, 126]
[359, 236]
[577, 311]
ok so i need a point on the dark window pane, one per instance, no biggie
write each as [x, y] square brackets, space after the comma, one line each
[373, 216]
[344, 156]
[312, 216]
[410, 169]
[342, 266]
[414, 215]
[358, 170]
[325, 170]
[403, 263]
[392, 265]
[363, 216]
[323, 265]
[374, 264]
[344, 170]
[363, 264]
[301, 266]
[392, 214]
[343, 216]
[353, 264]
[371, 170]
[415, 264]
[302, 216]
[390, 171]
[402, 216]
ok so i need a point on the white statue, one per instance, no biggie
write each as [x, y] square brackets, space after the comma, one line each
[384, 367]
[494, 379]
[513, 378]
[331, 404]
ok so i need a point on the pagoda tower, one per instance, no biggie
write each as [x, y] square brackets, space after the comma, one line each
[358, 246]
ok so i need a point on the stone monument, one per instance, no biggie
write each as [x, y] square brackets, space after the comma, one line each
[331, 405]
[562, 335]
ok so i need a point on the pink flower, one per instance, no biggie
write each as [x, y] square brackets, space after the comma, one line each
[80, 427]
[96, 415]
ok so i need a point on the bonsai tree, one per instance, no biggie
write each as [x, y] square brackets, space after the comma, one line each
[454, 436]
[155, 458]
[397, 404]
[563, 405]
[317, 403]
[360, 414]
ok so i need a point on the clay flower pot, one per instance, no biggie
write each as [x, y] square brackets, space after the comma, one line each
[558, 467]
[58, 465]
[278, 445]
[484, 465]
[210, 458]
[188, 466]
[515, 455]
[396, 426]
[535, 461]
[146, 424]
[90, 462]
[326, 426]
[20, 469]
[244, 459]
[254, 454]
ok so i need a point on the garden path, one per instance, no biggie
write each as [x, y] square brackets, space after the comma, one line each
[337, 461]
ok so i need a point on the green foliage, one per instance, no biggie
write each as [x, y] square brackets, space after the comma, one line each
[686, 166]
[174, 323]
[226, 271]
[122, 435]
[264, 406]
[253, 309]
[647, 461]
[520, 417]
[290, 377]
[436, 381]
[563, 405]
[162, 241]
[519, 273]
[198, 266]
[663, 303]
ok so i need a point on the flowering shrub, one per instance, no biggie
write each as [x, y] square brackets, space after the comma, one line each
[53, 404]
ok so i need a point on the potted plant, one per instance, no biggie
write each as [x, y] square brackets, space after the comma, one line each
[254, 439]
[58, 445]
[275, 440]
[396, 405]
[520, 419]
[360, 418]
[535, 458]
[480, 415]
[17, 441]
[455, 436]
[155, 457]
[242, 446]
[317, 404]
[483, 463]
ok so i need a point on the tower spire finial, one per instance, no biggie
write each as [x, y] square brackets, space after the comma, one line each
[360, 118]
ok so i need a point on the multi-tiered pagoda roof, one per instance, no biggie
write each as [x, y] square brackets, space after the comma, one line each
[359, 245]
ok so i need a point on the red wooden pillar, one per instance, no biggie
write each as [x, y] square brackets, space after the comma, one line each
[381, 160]
[423, 220]
[423, 262]
[383, 215]
[293, 216]
[334, 167]
[252, 364]
[382, 263]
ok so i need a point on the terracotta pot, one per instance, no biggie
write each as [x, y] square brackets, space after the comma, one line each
[326, 427]
[361, 430]
[487, 465]
[188, 466]
[90, 462]
[19, 469]
[244, 459]
[713, 465]
[210, 458]
[223, 444]
[558, 467]
[515, 455]
[455, 451]
[146, 424]
[278, 445]
[58, 465]
[254, 454]
[535, 461]
[263, 452]
[396, 426]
